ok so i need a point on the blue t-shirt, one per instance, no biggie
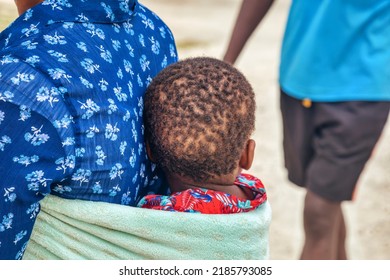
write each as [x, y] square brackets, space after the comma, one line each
[337, 50]
[72, 78]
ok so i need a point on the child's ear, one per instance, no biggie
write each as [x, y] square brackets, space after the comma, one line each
[149, 151]
[248, 155]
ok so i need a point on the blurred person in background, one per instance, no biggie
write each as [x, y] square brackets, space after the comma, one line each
[334, 80]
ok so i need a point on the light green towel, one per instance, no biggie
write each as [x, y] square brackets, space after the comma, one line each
[76, 229]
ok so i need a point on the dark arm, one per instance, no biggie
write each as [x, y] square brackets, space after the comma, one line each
[250, 15]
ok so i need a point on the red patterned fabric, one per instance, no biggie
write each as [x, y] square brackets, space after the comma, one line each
[200, 200]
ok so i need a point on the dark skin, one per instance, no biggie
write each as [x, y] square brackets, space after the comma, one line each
[24, 5]
[249, 17]
[223, 183]
[324, 226]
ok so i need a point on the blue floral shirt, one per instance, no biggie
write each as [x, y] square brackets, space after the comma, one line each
[72, 78]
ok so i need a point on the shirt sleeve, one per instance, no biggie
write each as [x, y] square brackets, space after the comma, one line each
[29, 149]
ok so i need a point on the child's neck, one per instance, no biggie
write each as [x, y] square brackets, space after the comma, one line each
[222, 184]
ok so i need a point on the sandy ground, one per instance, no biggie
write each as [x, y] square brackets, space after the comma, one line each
[203, 27]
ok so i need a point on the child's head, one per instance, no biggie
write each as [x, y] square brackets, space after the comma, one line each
[199, 115]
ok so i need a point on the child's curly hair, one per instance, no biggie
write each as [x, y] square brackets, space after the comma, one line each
[199, 114]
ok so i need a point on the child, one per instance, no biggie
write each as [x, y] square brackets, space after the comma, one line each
[199, 115]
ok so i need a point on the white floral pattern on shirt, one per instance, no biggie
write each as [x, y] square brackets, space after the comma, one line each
[72, 77]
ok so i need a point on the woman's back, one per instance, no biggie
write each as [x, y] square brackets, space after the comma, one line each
[73, 75]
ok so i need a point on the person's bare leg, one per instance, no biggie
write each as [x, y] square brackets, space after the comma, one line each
[341, 250]
[323, 223]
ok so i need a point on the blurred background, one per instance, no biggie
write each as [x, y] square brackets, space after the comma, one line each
[203, 27]
[8, 13]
